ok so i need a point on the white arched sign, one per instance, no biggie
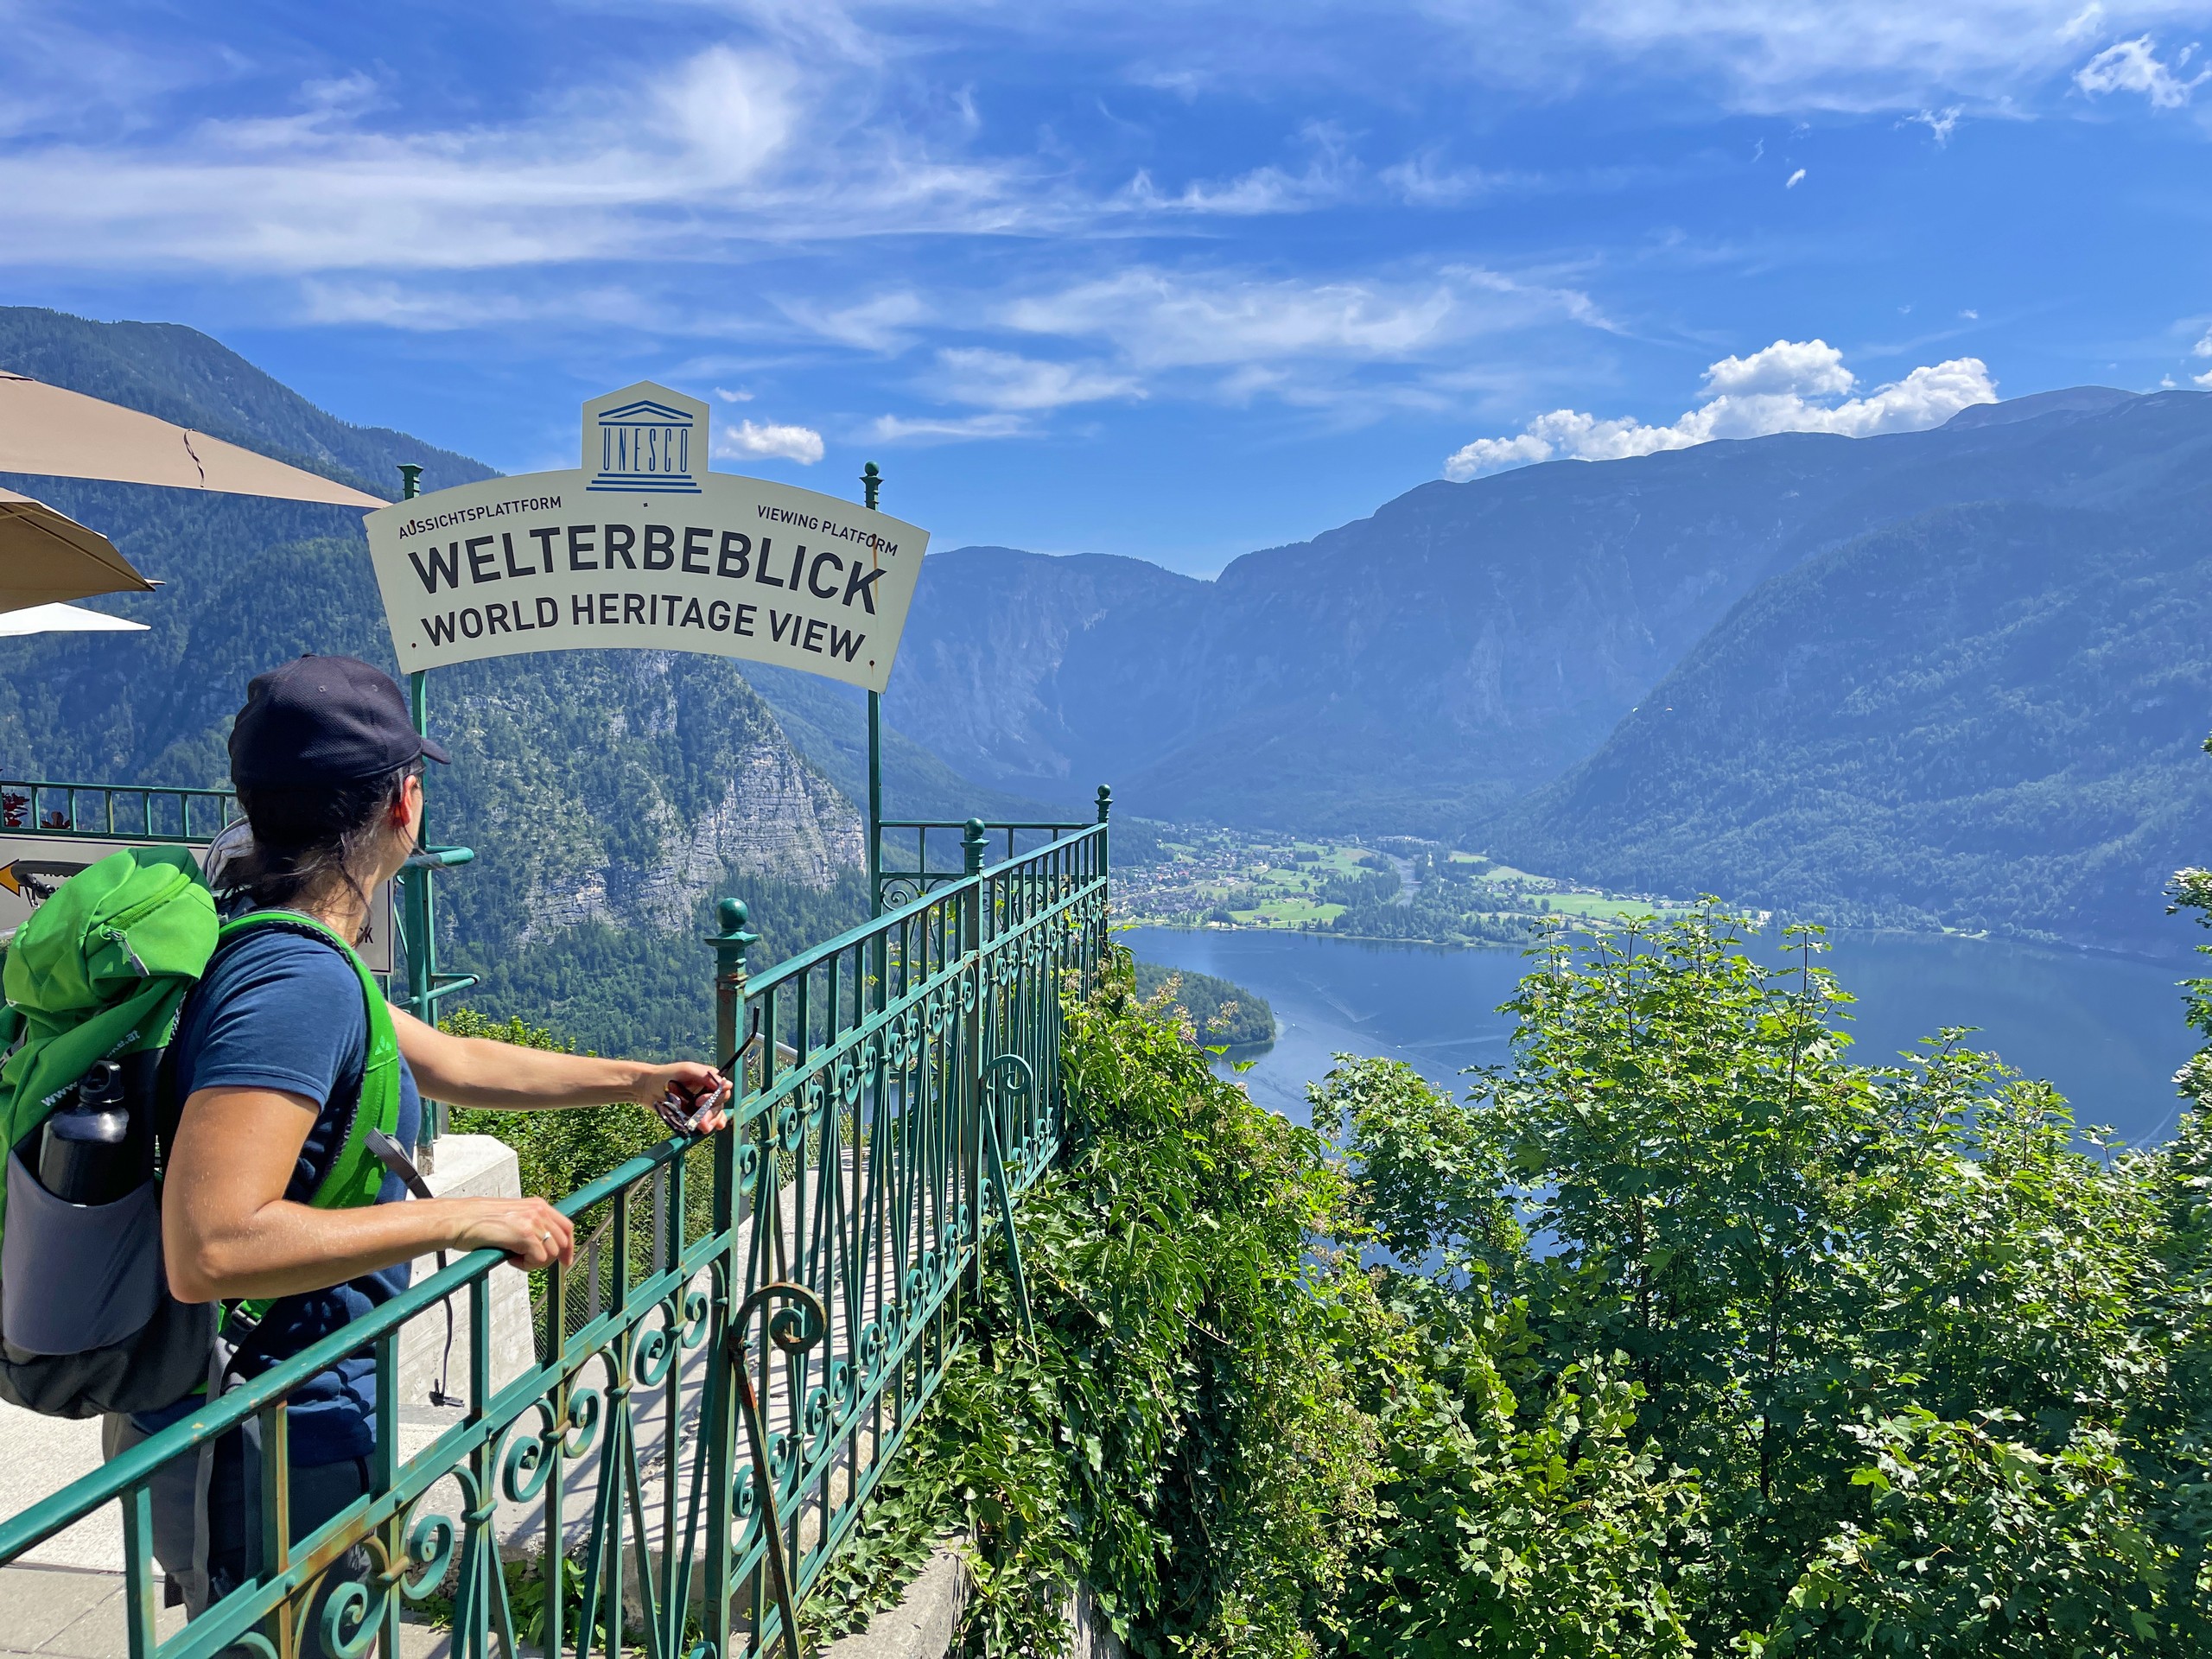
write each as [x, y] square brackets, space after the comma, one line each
[643, 547]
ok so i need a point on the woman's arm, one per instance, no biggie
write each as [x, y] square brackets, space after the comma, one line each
[477, 1072]
[227, 1230]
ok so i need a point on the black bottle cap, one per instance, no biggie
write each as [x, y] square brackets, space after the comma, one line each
[102, 1085]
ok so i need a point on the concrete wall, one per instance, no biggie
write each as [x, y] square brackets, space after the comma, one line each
[468, 1167]
[927, 1618]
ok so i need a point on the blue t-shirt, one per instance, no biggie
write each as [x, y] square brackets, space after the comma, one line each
[277, 1010]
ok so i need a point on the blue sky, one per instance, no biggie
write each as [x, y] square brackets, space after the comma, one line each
[1176, 282]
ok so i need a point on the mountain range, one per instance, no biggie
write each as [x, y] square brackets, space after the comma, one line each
[1950, 677]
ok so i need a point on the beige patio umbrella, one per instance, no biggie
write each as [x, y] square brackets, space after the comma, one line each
[46, 557]
[66, 435]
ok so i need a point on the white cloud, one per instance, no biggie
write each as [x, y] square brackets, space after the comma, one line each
[2084, 22]
[1806, 368]
[1263, 190]
[2202, 349]
[1424, 180]
[642, 161]
[1855, 55]
[1794, 180]
[1186, 84]
[728, 112]
[800, 443]
[882, 322]
[320, 189]
[1330, 176]
[898, 428]
[1162, 319]
[1006, 380]
[1940, 123]
[730, 395]
[1789, 387]
[2135, 66]
[420, 310]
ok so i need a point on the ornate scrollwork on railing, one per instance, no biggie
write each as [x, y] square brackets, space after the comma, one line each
[794, 1328]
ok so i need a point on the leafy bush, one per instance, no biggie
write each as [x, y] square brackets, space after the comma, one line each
[1908, 1369]
[1182, 1433]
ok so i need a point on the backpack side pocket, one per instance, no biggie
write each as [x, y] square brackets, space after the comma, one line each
[76, 1277]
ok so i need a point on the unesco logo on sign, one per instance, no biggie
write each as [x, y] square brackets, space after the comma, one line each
[644, 438]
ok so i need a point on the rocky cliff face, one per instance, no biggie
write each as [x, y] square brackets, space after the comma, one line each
[599, 829]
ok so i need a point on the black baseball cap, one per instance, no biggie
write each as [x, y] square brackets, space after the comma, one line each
[323, 720]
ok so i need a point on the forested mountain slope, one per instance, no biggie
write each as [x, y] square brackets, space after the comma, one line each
[1987, 717]
[1051, 675]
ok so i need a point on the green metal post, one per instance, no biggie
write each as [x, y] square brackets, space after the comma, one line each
[1105, 806]
[971, 1066]
[730, 946]
[415, 886]
[871, 486]
[718, 1424]
[875, 804]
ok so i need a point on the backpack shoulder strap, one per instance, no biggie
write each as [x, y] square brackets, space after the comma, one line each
[355, 1175]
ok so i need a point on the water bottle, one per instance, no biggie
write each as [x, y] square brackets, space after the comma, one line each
[89, 1156]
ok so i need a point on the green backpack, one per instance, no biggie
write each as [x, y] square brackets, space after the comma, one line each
[101, 971]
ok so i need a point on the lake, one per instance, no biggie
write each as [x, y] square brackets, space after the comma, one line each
[2107, 1031]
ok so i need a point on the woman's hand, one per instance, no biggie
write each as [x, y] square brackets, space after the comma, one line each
[531, 1231]
[689, 1096]
[479, 1071]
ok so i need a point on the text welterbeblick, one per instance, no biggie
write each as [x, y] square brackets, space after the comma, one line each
[730, 555]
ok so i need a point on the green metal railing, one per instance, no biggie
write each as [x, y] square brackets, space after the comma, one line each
[41, 806]
[900, 1088]
[921, 873]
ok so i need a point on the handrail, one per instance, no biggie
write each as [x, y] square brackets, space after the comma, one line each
[895, 886]
[1065, 826]
[885, 1127]
[23, 810]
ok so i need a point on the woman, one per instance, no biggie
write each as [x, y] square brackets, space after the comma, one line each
[271, 1202]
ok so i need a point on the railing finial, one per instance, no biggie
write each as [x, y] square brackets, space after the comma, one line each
[871, 481]
[972, 845]
[1105, 801]
[730, 946]
[410, 480]
[735, 939]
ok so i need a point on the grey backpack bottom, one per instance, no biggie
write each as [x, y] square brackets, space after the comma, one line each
[87, 1324]
[164, 1361]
